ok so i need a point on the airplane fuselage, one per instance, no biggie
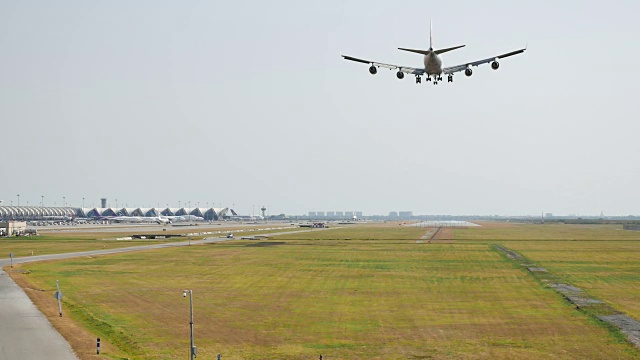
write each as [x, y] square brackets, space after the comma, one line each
[432, 63]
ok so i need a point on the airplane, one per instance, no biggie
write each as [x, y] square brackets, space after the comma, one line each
[157, 219]
[136, 219]
[235, 216]
[433, 63]
[184, 218]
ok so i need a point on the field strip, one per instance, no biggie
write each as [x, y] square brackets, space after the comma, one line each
[428, 236]
[591, 306]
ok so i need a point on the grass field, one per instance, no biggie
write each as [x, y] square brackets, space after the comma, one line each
[77, 240]
[519, 232]
[608, 270]
[48, 244]
[359, 292]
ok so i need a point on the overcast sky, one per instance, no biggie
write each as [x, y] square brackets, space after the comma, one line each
[250, 103]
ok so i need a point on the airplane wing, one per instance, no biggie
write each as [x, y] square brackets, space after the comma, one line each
[404, 69]
[462, 67]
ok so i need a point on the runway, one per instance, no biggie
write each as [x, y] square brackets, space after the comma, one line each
[25, 333]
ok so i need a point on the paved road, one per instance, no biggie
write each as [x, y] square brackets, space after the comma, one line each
[25, 333]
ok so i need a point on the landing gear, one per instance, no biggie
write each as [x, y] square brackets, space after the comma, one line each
[439, 78]
[450, 78]
[435, 82]
[428, 78]
[418, 79]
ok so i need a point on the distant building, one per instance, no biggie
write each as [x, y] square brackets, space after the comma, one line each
[358, 213]
[548, 215]
[393, 214]
[405, 214]
[320, 214]
[9, 228]
[312, 214]
[348, 214]
[339, 213]
[331, 213]
[103, 202]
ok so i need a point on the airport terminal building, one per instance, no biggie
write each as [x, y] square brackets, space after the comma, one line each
[67, 213]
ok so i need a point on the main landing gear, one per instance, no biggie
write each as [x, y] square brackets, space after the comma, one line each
[436, 79]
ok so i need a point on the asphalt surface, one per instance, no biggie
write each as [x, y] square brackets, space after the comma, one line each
[25, 333]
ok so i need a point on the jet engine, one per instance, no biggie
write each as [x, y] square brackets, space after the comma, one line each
[468, 72]
[400, 75]
[373, 70]
[495, 65]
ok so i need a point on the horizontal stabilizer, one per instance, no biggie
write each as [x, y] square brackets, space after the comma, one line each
[426, 52]
[423, 52]
[448, 49]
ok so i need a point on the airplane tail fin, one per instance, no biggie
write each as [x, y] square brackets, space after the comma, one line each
[234, 213]
[431, 34]
[427, 52]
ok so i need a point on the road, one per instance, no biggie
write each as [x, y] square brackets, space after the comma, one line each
[25, 333]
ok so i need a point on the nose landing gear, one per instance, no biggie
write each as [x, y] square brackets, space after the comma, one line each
[418, 79]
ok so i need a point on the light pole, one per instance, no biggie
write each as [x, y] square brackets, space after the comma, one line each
[82, 204]
[64, 201]
[42, 205]
[192, 349]
[18, 199]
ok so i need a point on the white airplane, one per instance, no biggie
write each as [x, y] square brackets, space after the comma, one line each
[433, 64]
[139, 219]
[178, 218]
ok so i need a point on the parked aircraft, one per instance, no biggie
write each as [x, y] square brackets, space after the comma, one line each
[178, 218]
[433, 63]
[136, 219]
[236, 217]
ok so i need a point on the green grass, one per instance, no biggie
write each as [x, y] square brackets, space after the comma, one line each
[47, 244]
[86, 240]
[609, 270]
[358, 292]
[552, 232]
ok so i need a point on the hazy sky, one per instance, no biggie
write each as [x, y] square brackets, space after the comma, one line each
[249, 102]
